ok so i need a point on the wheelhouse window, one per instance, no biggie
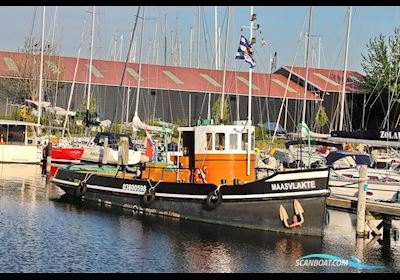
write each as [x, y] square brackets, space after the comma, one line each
[16, 134]
[244, 141]
[3, 133]
[233, 141]
[220, 141]
[209, 141]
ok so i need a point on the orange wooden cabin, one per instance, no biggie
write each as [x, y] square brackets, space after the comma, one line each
[214, 154]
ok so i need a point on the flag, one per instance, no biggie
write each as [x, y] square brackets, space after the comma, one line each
[150, 147]
[263, 42]
[245, 52]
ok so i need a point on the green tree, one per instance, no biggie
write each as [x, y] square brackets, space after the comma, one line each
[321, 117]
[216, 111]
[381, 65]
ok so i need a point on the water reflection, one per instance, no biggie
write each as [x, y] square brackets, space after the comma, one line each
[39, 233]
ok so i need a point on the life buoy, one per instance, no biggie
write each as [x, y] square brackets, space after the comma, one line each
[200, 175]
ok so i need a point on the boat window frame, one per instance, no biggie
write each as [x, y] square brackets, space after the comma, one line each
[236, 141]
[23, 142]
[209, 145]
[218, 138]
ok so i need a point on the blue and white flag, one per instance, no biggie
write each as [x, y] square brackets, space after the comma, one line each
[245, 52]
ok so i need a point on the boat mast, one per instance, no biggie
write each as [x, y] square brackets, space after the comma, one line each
[224, 76]
[343, 96]
[249, 104]
[74, 80]
[216, 36]
[198, 37]
[41, 71]
[306, 78]
[140, 64]
[90, 74]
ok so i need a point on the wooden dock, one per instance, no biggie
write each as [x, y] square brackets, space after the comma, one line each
[375, 210]
[350, 204]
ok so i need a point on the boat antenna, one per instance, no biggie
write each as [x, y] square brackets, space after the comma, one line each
[125, 66]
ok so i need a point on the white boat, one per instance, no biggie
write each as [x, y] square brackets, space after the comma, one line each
[94, 150]
[383, 184]
[18, 142]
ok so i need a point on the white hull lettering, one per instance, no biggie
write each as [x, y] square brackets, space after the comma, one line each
[293, 186]
[390, 135]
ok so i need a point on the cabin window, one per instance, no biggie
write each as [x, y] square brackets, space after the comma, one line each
[233, 141]
[220, 141]
[16, 134]
[209, 142]
[31, 135]
[244, 141]
[3, 133]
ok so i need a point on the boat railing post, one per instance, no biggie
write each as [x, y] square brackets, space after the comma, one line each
[361, 204]
[105, 151]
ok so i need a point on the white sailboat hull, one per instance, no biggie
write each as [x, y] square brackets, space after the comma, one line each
[95, 154]
[382, 185]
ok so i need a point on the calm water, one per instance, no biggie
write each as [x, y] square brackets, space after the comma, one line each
[41, 234]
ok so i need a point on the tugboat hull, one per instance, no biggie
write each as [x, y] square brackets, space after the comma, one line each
[247, 206]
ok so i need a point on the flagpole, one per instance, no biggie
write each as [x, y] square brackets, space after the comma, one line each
[224, 76]
[249, 104]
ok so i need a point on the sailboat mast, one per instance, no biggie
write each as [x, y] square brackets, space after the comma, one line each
[249, 104]
[216, 36]
[140, 64]
[306, 78]
[74, 80]
[90, 73]
[343, 96]
[41, 70]
[224, 76]
[54, 27]
[198, 37]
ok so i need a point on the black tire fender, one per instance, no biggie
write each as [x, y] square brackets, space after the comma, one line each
[81, 189]
[149, 196]
[211, 202]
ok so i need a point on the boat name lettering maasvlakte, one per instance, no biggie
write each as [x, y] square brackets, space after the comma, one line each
[293, 186]
[134, 187]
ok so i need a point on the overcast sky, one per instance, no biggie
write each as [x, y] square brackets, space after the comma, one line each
[281, 27]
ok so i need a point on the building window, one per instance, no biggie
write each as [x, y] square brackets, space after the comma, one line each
[220, 141]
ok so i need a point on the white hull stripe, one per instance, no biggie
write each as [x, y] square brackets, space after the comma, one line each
[299, 176]
[190, 196]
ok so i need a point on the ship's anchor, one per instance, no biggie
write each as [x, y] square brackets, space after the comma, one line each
[299, 211]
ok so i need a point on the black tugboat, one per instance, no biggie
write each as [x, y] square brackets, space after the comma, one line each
[208, 182]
